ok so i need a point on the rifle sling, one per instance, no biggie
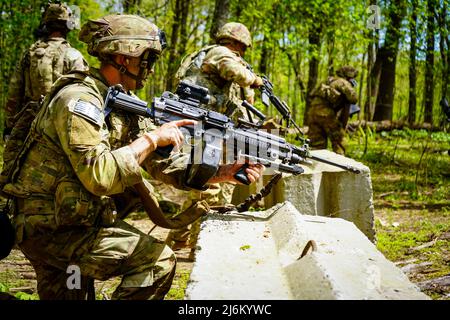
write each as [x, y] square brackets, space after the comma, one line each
[157, 216]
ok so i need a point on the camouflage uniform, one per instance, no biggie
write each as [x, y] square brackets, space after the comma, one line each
[228, 77]
[44, 62]
[68, 178]
[328, 99]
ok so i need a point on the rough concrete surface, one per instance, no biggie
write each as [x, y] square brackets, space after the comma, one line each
[256, 255]
[325, 190]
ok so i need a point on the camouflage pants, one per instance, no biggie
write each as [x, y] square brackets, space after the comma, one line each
[216, 195]
[323, 124]
[147, 265]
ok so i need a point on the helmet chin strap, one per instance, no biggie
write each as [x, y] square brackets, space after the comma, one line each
[123, 70]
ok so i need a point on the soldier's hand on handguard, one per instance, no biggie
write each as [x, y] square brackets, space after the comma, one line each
[226, 172]
[257, 83]
[168, 134]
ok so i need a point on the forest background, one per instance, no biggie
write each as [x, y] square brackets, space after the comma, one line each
[400, 47]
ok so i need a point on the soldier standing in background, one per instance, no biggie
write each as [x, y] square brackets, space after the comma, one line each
[330, 107]
[45, 61]
[222, 69]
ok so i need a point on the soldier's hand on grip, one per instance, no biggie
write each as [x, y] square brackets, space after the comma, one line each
[257, 83]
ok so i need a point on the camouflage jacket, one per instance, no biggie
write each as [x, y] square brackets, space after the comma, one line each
[224, 72]
[68, 168]
[335, 92]
[40, 66]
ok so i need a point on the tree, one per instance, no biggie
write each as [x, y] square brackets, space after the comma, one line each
[387, 57]
[444, 46]
[429, 66]
[178, 41]
[412, 63]
[220, 17]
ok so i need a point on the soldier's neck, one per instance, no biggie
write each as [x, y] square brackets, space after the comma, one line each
[56, 34]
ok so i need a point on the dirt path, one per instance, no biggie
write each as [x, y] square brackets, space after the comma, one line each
[17, 274]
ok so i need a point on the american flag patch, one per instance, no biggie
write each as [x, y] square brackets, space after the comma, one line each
[88, 111]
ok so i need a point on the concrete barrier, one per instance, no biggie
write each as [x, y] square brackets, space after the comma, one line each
[324, 190]
[282, 254]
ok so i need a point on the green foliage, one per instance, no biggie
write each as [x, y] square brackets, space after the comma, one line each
[26, 296]
[280, 30]
[411, 196]
[177, 290]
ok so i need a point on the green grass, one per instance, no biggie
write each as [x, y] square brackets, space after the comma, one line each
[178, 288]
[410, 172]
[10, 279]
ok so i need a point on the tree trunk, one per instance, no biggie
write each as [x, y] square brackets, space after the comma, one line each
[131, 6]
[444, 45]
[314, 38]
[220, 17]
[388, 58]
[373, 66]
[183, 29]
[373, 79]
[173, 53]
[330, 49]
[429, 66]
[412, 64]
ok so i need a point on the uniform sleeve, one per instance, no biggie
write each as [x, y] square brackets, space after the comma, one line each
[83, 136]
[15, 93]
[229, 66]
[74, 60]
[347, 90]
[170, 171]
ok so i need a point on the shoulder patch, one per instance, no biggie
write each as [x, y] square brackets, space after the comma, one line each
[73, 54]
[88, 111]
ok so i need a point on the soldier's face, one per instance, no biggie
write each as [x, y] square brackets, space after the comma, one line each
[133, 66]
[238, 46]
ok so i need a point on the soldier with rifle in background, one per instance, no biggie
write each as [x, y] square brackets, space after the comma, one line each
[332, 103]
[222, 69]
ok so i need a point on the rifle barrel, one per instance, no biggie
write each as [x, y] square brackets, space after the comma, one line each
[342, 166]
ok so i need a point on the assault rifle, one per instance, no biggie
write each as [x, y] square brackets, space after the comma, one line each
[215, 134]
[268, 97]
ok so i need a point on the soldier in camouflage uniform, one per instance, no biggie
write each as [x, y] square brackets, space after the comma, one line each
[47, 59]
[69, 176]
[329, 110]
[222, 69]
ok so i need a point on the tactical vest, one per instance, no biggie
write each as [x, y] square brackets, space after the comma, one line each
[325, 91]
[192, 62]
[10, 172]
[225, 95]
[44, 63]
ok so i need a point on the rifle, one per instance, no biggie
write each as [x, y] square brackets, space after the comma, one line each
[212, 132]
[267, 97]
[354, 108]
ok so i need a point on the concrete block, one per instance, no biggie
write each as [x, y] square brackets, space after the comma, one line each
[257, 255]
[326, 190]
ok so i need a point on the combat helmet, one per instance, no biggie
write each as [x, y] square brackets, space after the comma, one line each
[56, 13]
[347, 72]
[235, 31]
[127, 35]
